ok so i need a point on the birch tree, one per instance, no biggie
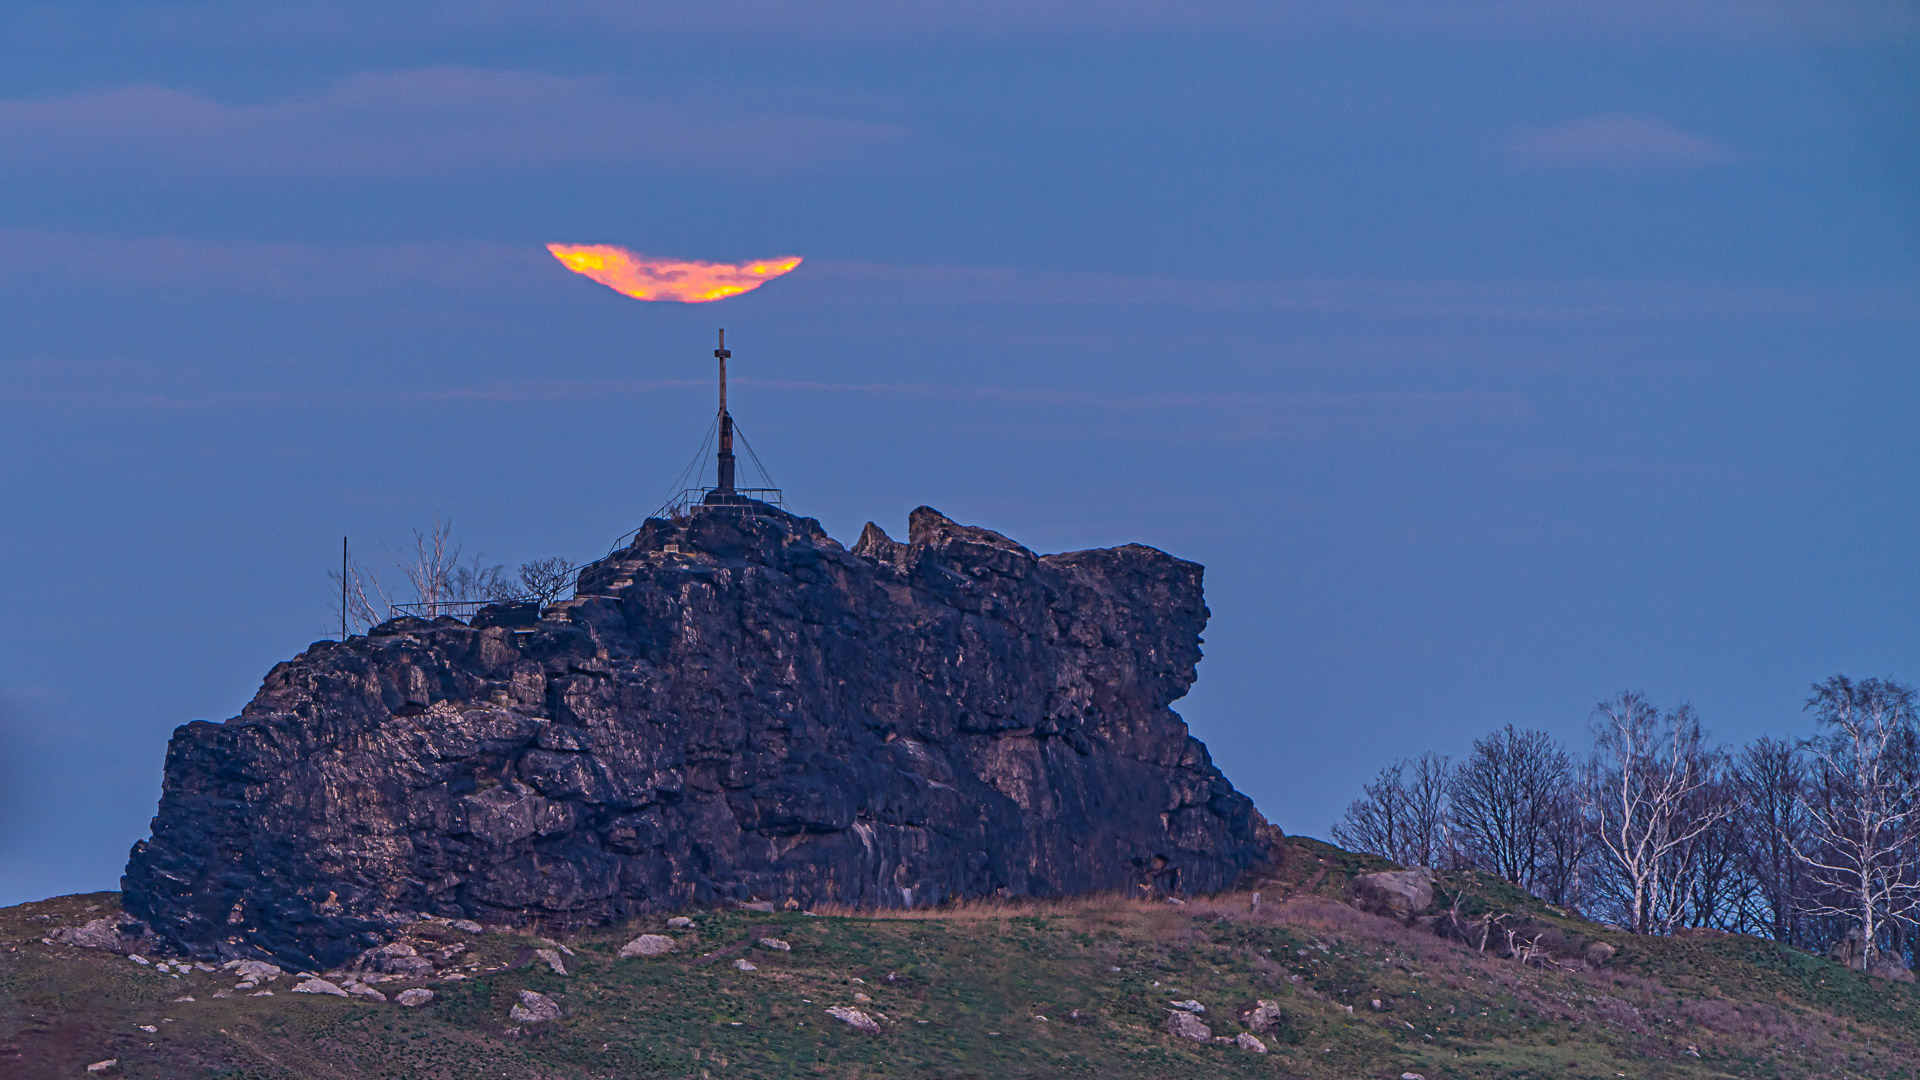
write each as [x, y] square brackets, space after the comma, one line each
[1861, 805]
[1643, 794]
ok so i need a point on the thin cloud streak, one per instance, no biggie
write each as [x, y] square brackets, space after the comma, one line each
[487, 268]
[1615, 144]
[1249, 415]
[399, 22]
[419, 122]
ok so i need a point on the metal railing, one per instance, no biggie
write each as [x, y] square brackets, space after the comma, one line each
[703, 500]
[464, 610]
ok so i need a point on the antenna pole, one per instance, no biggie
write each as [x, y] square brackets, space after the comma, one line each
[343, 590]
[726, 421]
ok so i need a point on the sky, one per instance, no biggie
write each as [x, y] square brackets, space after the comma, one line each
[1493, 357]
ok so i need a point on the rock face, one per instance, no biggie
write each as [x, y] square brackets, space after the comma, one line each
[734, 708]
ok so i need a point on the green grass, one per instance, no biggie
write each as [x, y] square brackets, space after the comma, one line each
[969, 989]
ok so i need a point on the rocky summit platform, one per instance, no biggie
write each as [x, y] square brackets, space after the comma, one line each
[735, 708]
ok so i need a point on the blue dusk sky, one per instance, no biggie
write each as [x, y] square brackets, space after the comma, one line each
[1494, 356]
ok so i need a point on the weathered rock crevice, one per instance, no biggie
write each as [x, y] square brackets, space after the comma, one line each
[733, 708]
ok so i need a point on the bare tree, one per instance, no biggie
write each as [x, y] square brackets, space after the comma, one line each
[430, 566]
[475, 580]
[1503, 798]
[366, 599]
[1642, 790]
[1559, 875]
[1714, 888]
[1767, 783]
[546, 580]
[1401, 815]
[438, 578]
[1862, 805]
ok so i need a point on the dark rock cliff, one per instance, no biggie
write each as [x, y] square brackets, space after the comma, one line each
[735, 707]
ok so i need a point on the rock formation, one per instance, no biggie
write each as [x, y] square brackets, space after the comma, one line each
[734, 708]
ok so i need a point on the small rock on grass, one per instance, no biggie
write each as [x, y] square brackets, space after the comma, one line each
[1264, 1014]
[467, 926]
[1185, 1025]
[1188, 1005]
[414, 997]
[553, 960]
[854, 1019]
[103, 1066]
[647, 945]
[775, 944]
[679, 922]
[1411, 1076]
[319, 986]
[534, 1008]
[254, 971]
[365, 991]
[1247, 1042]
[745, 965]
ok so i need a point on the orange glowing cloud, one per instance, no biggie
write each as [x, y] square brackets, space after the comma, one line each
[647, 277]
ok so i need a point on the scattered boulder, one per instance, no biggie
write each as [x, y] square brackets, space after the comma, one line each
[647, 945]
[553, 960]
[1185, 1025]
[679, 922]
[1397, 894]
[98, 934]
[855, 1019]
[364, 991]
[252, 971]
[393, 958]
[1247, 1042]
[1411, 1076]
[1849, 950]
[862, 999]
[103, 1066]
[534, 1008]
[1890, 966]
[319, 986]
[744, 965]
[415, 997]
[1188, 1005]
[1261, 1016]
[467, 926]
[775, 944]
[1599, 952]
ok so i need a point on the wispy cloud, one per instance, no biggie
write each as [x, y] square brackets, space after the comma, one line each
[479, 270]
[428, 121]
[361, 23]
[1615, 144]
[1172, 413]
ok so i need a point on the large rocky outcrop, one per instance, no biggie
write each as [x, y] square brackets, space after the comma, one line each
[735, 707]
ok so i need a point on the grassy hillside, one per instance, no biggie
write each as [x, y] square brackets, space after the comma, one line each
[992, 991]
